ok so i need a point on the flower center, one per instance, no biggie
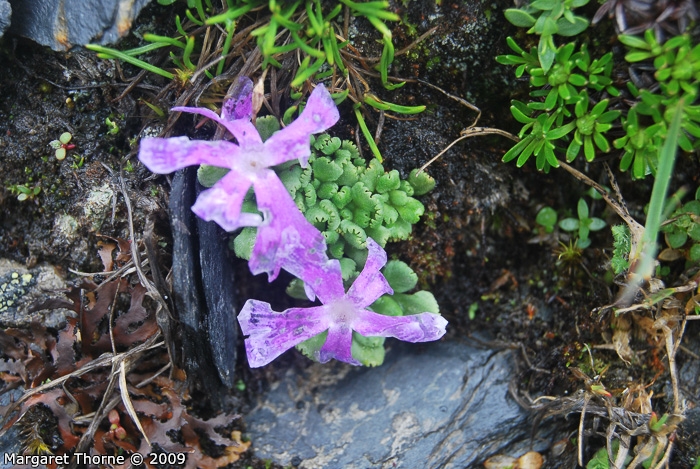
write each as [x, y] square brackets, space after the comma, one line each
[252, 159]
[343, 312]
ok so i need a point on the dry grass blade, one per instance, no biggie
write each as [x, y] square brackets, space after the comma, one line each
[124, 391]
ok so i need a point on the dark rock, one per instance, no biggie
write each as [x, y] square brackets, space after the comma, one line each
[440, 405]
[204, 303]
[62, 24]
[218, 284]
[5, 14]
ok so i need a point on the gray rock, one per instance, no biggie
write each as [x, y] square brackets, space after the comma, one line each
[31, 295]
[10, 442]
[62, 24]
[5, 14]
[440, 405]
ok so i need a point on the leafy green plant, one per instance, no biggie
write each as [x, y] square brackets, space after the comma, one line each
[677, 70]
[590, 128]
[547, 18]
[621, 249]
[682, 232]
[600, 458]
[560, 105]
[584, 224]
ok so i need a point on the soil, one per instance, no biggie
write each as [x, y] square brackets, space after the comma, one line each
[477, 249]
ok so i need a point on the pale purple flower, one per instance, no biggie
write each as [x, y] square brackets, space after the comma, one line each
[271, 333]
[282, 230]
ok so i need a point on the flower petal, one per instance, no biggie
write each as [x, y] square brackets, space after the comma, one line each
[370, 284]
[222, 203]
[166, 155]
[292, 142]
[286, 240]
[244, 130]
[422, 327]
[338, 345]
[240, 103]
[272, 333]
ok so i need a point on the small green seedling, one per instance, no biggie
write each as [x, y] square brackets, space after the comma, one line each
[112, 126]
[584, 224]
[25, 192]
[62, 145]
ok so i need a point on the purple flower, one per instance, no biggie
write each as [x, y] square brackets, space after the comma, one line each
[271, 333]
[283, 232]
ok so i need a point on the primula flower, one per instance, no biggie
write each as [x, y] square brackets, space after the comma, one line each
[283, 232]
[271, 333]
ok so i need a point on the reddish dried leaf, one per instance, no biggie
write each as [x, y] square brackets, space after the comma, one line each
[63, 353]
[93, 317]
[12, 370]
[209, 426]
[105, 252]
[135, 325]
[151, 409]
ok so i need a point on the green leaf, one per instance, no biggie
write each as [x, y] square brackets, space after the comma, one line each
[634, 42]
[676, 239]
[558, 133]
[244, 242]
[419, 302]
[353, 234]
[388, 181]
[368, 350]
[400, 276]
[411, 211]
[266, 126]
[519, 18]
[545, 5]
[694, 253]
[209, 175]
[572, 151]
[400, 229]
[582, 209]
[565, 28]
[517, 149]
[362, 196]
[387, 306]
[597, 224]
[326, 170]
[546, 52]
[520, 116]
[569, 224]
[638, 56]
[547, 217]
[371, 174]
[311, 347]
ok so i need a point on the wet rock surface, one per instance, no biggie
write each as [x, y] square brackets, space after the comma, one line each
[440, 405]
[63, 24]
[5, 14]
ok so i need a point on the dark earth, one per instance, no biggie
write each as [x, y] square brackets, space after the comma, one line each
[478, 243]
